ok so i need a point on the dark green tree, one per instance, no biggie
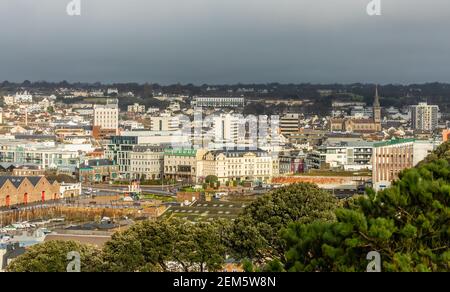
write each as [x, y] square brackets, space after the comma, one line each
[52, 257]
[408, 224]
[211, 179]
[167, 245]
[255, 234]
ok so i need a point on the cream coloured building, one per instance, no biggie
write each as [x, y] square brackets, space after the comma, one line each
[147, 162]
[183, 164]
[106, 116]
[136, 108]
[244, 165]
[228, 165]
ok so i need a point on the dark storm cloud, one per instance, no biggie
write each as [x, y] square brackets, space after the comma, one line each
[224, 41]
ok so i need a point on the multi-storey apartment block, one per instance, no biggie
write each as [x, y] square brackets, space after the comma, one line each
[218, 102]
[392, 157]
[106, 116]
[349, 156]
[424, 117]
[44, 155]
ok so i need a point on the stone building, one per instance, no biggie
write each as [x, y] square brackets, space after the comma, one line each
[98, 170]
[356, 125]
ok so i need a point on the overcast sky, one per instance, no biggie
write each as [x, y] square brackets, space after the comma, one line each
[225, 41]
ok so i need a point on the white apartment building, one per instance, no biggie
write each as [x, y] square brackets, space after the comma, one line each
[226, 130]
[70, 190]
[243, 165]
[8, 99]
[106, 116]
[136, 108]
[147, 162]
[23, 97]
[111, 91]
[164, 123]
[218, 102]
[46, 155]
[424, 117]
[348, 156]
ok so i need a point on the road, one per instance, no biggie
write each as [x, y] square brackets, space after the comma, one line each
[108, 189]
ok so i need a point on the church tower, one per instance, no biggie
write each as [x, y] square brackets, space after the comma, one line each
[377, 110]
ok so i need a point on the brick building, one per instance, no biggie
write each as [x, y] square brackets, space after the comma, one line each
[392, 157]
[16, 190]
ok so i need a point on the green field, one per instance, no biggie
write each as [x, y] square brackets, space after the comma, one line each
[165, 199]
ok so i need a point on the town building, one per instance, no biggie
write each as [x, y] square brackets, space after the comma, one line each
[424, 117]
[15, 190]
[46, 155]
[291, 162]
[228, 165]
[8, 100]
[446, 135]
[136, 108]
[98, 171]
[9, 253]
[308, 137]
[182, 164]
[392, 157]
[226, 130]
[70, 190]
[340, 108]
[347, 156]
[359, 125]
[121, 147]
[218, 102]
[164, 123]
[290, 124]
[106, 116]
[243, 165]
[28, 170]
[112, 91]
[147, 162]
[23, 97]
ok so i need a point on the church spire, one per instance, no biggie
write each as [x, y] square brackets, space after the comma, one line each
[377, 111]
[377, 98]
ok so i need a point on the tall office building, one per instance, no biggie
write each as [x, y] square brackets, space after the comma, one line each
[107, 116]
[424, 117]
[290, 124]
[226, 129]
[164, 122]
